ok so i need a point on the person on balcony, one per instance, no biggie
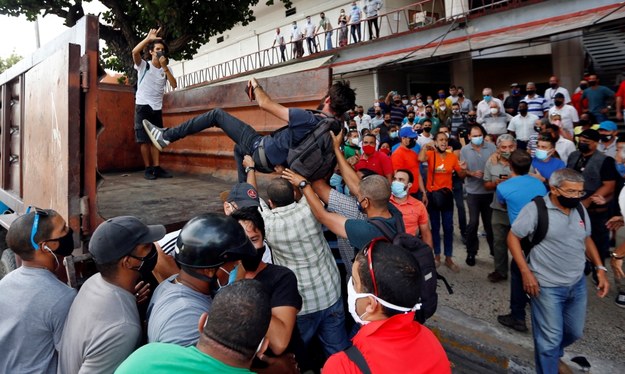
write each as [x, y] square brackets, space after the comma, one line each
[279, 38]
[343, 32]
[354, 21]
[325, 24]
[371, 11]
[310, 36]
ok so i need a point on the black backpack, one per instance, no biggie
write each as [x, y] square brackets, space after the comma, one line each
[542, 226]
[313, 157]
[425, 257]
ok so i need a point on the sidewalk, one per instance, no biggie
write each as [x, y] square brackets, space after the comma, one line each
[466, 323]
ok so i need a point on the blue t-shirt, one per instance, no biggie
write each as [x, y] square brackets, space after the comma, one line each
[360, 232]
[597, 98]
[301, 122]
[516, 192]
[547, 168]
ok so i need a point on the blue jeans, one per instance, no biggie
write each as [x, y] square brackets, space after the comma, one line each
[447, 218]
[328, 40]
[558, 315]
[328, 325]
[245, 137]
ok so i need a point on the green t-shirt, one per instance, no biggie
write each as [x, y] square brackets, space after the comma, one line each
[157, 358]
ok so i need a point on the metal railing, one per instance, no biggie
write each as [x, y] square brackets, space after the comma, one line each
[422, 14]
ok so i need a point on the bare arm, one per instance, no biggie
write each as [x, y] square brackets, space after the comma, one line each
[281, 328]
[267, 104]
[136, 51]
[170, 77]
[603, 285]
[426, 234]
[333, 221]
[347, 172]
[530, 284]
[248, 161]
[619, 108]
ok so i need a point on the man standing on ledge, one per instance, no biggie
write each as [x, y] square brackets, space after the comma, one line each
[151, 78]
[267, 151]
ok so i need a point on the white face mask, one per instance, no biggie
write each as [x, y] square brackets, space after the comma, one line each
[443, 107]
[353, 296]
[494, 110]
[354, 141]
[404, 102]
[413, 102]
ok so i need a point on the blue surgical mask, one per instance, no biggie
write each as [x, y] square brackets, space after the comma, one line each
[487, 98]
[336, 180]
[541, 154]
[398, 189]
[477, 140]
[232, 276]
[360, 208]
[394, 134]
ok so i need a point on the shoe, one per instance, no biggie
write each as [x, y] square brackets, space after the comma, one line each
[161, 173]
[470, 260]
[563, 368]
[515, 324]
[451, 265]
[495, 277]
[437, 261]
[149, 173]
[620, 299]
[155, 134]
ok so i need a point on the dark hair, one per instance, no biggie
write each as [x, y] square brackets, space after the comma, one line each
[479, 127]
[351, 131]
[18, 236]
[369, 135]
[250, 213]
[444, 125]
[553, 127]
[280, 192]
[342, 97]
[452, 86]
[154, 42]
[397, 275]
[410, 176]
[591, 117]
[366, 172]
[427, 120]
[109, 270]
[239, 317]
[546, 137]
[520, 162]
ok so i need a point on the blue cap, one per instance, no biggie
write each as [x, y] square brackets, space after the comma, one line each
[407, 132]
[607, 125]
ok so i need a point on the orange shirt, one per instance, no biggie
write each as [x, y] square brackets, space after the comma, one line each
[404, 158]
[413, 212]
[442, 170]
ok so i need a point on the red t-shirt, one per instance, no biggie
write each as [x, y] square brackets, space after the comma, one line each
[394, 345]
[413, 212]
[378, 162]
[621, 92]
[404, 158]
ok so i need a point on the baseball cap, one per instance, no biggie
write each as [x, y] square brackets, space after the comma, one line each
[243, 194]
[590, 134]
[514, 85]
[117, 237]
[607, 125]
[407, 132]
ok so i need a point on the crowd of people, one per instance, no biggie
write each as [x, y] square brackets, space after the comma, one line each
[349, 24]
[255, 287]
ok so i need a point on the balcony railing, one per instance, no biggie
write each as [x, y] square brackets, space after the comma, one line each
[410, 18]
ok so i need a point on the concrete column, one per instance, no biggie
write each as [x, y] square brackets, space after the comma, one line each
[567, 59]
[462, 74]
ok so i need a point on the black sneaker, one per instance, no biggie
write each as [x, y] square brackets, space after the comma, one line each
[149, 173]
[620, 299]
[470, 260]
[161, 173]
[512, 323]
[155, 134]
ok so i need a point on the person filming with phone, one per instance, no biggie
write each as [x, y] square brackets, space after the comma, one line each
[152, 75]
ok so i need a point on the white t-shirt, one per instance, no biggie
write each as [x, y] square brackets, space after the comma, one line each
[550, 94]
[150, 85]
[310, 29]
[279, 39]
[565, 147]
[523, 127]
[296, 34]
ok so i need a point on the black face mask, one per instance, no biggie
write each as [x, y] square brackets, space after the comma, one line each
[606, 138]
[523, 112]
[427, 129]
[568, 202]
[584, 122]
[584, 147]
[412, 143]
[530, 92]
[583, 86]
[419, 131]
[471, 119]
[251, 263]
[554, 85]
[66, 244]
[148, 263]
[360, 113]
[429, 114]
[397, 102]
[460, 94]
[592, 83]
[536, 128]
[558, 102]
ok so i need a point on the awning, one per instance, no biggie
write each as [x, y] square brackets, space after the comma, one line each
[479, 41]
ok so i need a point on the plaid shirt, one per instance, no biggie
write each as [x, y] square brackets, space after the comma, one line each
[347, 207]
[297, 241]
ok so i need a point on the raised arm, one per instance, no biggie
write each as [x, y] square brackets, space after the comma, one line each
[266, 103]
[347, 172]
[138, 49]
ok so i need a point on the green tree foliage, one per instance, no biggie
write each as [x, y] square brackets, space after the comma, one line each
[186, 24]
[6, 63]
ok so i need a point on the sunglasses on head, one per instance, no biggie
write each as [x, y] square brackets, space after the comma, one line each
[368, 252]
[38, 213]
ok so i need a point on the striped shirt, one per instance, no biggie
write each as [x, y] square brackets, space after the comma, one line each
[347, 207]
[536, 105]
[297, 241]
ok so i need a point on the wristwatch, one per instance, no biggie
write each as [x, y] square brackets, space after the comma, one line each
[601, 267]
[614, 256]
[303, 184]
[249, 168]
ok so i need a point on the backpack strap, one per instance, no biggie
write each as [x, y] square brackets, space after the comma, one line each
[399, 226]
[354, 354]
[580, 211]
[542, 225]
[147, 67]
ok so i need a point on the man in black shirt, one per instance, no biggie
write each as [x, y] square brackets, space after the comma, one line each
[511, 104]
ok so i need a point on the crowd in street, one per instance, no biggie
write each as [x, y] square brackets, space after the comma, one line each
[256, 288]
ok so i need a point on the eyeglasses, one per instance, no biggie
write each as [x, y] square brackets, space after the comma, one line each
[369, 253]
[572, 193]
[38, 213]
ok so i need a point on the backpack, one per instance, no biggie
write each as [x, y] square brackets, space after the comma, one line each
[425, 257]
[542, 225]
[136, 85]
[313, 157]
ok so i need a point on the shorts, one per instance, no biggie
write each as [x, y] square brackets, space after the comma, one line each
[146, 112]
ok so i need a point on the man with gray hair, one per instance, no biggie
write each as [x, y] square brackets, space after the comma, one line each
[553, 274]
[483, 107]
